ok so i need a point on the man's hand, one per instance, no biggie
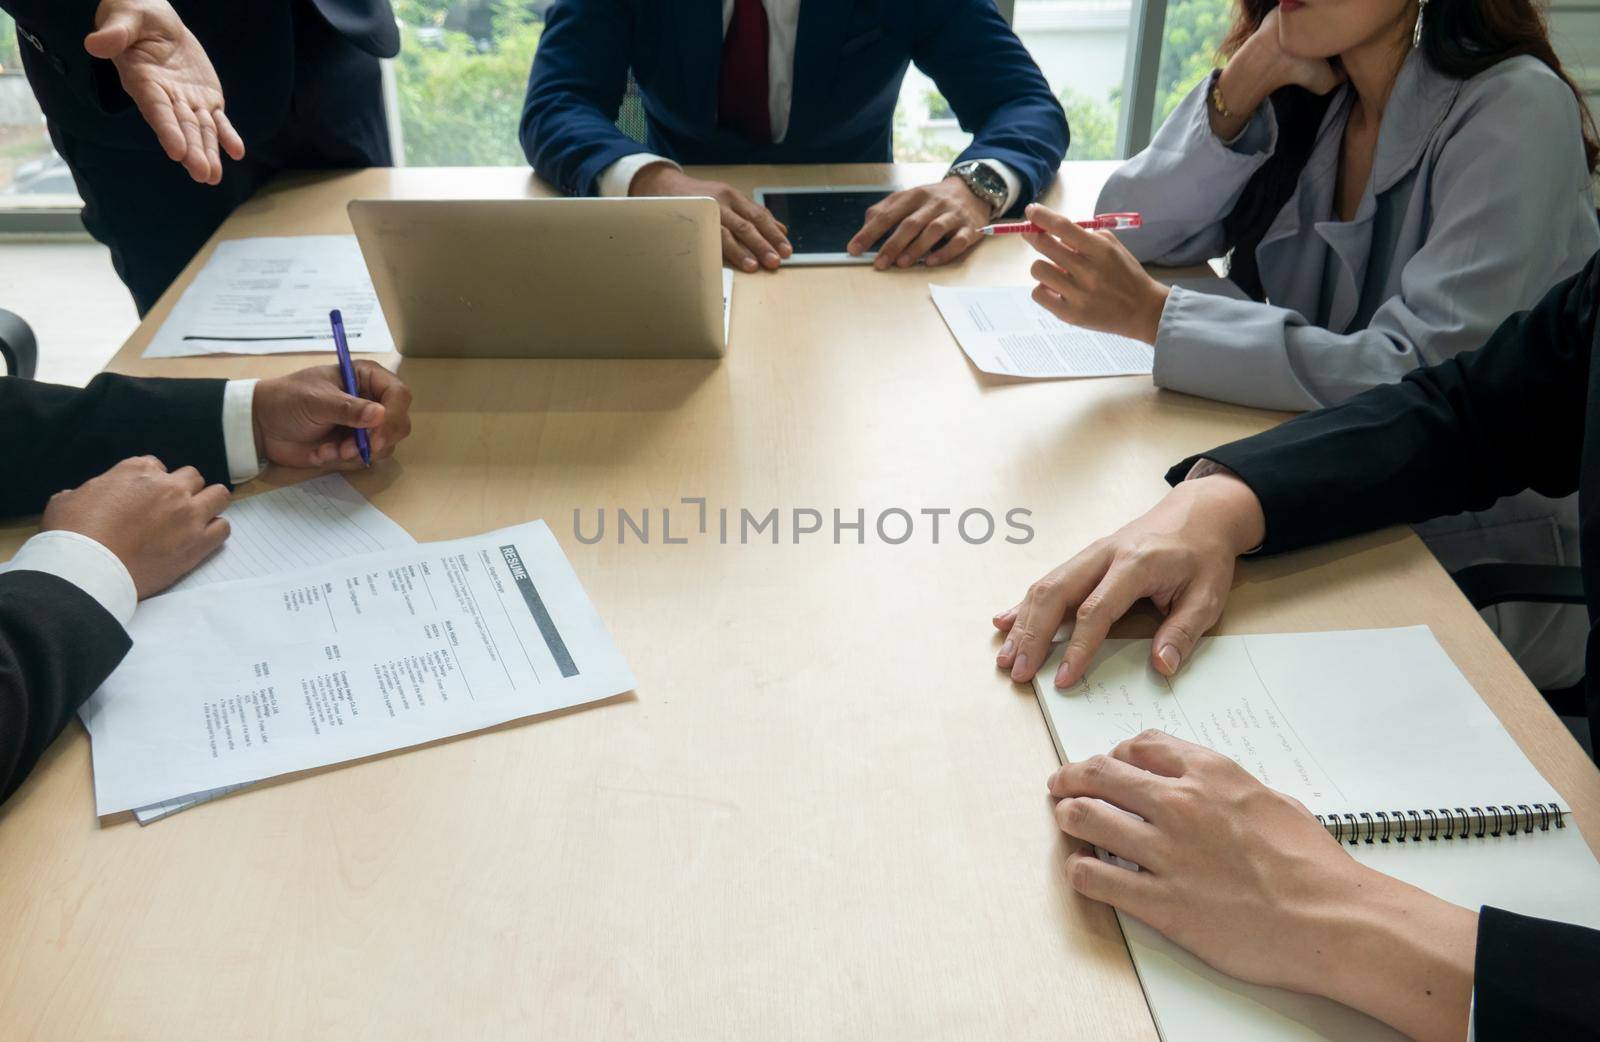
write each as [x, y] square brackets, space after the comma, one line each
[306, 419]
[751, 237]
[922, 218]
[167, 74]
[159, 525]
[1180, 555]
[1245, 878]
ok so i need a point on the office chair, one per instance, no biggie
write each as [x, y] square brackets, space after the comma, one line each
[18, 346]
[630, 115]
[1489, 584]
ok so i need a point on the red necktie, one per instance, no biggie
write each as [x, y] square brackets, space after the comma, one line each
[742, 92]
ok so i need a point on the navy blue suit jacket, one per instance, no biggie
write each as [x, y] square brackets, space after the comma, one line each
[850, 57]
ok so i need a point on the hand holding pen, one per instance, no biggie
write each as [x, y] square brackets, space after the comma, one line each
[347, 371]
[311, 418]
[1090, 279]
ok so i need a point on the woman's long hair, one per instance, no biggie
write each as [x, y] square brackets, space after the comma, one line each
[1460, 38]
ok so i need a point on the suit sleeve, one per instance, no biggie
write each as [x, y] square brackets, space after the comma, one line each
[72, 434]
[57, 646]
[1534, 976]
[1492, 247]
[1187, 181]
[1449, 437]
[579, 75]
[995, 89]
[51, 34]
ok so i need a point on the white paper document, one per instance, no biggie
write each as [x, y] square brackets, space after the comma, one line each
[316, 521]
[272, 296]
[236, 682]
[1346, 722]
[1004, 332]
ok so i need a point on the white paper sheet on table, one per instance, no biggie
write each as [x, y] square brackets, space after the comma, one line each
[1004, 332]
[241, 681]
[272, 295]
[323, 519]
[1359, 720]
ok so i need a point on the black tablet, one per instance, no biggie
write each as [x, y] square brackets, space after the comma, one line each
[822, 221]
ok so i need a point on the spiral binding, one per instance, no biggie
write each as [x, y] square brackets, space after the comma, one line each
[1385, 826]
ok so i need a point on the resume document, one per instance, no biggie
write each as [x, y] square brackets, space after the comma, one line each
[240, 681]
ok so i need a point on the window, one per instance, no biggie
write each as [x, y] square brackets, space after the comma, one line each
[32, 176]
[460, 79]
[1079, 46]
[1194, 30]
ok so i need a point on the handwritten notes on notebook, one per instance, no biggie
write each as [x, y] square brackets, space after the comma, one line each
[272, 296]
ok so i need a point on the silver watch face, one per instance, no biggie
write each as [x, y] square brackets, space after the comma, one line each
[985, 182]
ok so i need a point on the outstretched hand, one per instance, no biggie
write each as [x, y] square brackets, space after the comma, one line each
[166, 72]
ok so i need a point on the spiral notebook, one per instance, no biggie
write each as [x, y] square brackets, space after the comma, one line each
[1384, 740]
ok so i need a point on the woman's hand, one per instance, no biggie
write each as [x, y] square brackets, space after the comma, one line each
[1246, 879]
[1180, 555]
[1090, 279]
[1261, 66]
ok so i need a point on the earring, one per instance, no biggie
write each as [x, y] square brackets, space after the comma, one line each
[1416, 34]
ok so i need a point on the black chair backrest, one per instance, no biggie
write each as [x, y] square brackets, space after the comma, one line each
[18, 347]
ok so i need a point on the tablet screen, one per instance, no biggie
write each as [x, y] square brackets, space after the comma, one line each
[822, 222]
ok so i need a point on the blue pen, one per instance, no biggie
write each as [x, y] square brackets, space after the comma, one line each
[348, 369]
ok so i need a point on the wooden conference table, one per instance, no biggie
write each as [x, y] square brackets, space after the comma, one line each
[823, 814]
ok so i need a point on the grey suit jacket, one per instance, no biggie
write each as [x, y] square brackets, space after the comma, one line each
[1479, 201]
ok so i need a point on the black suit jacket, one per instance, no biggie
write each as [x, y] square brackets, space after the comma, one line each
[57, 644]
[250, 42]
[1521, 412]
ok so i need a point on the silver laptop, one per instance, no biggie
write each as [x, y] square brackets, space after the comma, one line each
[547, 278]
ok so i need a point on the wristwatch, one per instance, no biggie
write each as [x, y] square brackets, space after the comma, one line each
[983, 181]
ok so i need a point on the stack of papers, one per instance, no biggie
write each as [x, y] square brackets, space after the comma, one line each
[272, 296]
[367, 643]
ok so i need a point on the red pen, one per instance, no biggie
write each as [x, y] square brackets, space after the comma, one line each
[1107, 222]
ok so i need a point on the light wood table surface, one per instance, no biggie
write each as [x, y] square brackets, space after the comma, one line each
[823, 813]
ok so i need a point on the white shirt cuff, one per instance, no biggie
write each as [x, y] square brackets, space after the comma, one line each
[1013, 182]
[239, 430]
[617, 179]
[86, 564]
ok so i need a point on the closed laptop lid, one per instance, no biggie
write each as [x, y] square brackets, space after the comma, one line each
[546, 278]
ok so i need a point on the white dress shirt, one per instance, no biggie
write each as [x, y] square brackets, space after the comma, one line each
[88, 565]
[783, 25]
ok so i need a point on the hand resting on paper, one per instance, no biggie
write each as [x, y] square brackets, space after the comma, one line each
[159, 524]
[1246, 879]
[162, 524]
